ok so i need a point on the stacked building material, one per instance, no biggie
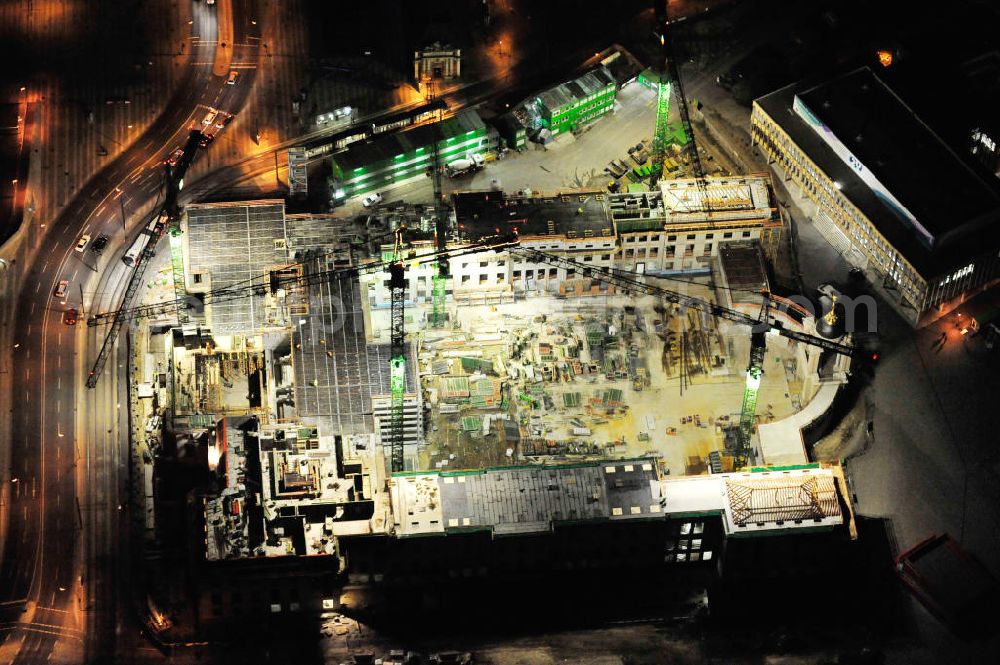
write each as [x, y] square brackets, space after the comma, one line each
[454, 388]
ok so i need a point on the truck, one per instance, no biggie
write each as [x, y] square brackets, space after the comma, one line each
[140, 244]
[951, 584]
[470, 164]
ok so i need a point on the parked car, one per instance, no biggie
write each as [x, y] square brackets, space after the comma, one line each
[209, 117]
[82, 243]
[61, 288]
[70, 316]
[372, 199]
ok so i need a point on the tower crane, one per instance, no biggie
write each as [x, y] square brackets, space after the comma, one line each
[166, 215]
[439, 282]
[755, 367]
[397, 359]
[669, 80]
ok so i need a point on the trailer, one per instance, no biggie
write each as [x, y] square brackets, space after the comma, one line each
[952, 585]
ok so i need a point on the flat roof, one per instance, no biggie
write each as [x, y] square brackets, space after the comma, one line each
[387, 146]
[533, 499]
[234, 244]
[580, 214]
[856, 119]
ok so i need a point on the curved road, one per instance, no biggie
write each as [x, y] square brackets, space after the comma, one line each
[59, 585]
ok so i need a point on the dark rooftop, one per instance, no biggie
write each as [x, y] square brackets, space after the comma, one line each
[743, 267]
[575, 214]
[948, 199]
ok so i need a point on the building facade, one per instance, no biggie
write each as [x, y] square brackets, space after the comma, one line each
[437, 62]
[565, 108]
[394, 158]
[663, 232]
[569, 106]
[677, 230]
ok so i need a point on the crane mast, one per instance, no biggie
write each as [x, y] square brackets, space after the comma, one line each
[167, 215]
[439, 282]
[670, 81]
[397, 366]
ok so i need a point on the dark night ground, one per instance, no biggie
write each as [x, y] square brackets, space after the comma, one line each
[106, 49]
[813, 594]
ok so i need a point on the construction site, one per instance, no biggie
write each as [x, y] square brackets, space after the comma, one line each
[501, 363]
[597, 376]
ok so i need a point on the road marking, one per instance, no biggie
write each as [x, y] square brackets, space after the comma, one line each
[74, 274]
[59, 383]
[58, 405]
[45, 267]
[38, 286]
[33, 304]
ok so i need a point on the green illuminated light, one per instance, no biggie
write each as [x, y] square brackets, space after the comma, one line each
[397, 375]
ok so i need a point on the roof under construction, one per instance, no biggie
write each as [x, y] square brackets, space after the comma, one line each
[736, 197]
[733, 199]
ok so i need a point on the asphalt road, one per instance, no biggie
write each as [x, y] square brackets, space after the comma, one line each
[61, 566]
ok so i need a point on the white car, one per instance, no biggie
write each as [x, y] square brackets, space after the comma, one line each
[372, 199]
[61, 289]
[210, 116]
[83, 242]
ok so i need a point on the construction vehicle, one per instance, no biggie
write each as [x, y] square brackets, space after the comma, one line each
[952, 585]
[761, 326]
[470, 164]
